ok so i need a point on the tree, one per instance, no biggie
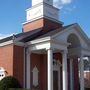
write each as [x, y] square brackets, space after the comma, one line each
[9, 82]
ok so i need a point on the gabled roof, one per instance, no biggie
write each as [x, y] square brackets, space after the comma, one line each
[22, 36]
[64, 29]
[38, 33]
[53, 32]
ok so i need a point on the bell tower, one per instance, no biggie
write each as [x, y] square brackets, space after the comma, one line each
[42, 14]
[35, 2]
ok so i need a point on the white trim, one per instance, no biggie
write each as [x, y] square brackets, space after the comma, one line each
[39, 40]
[11, 42]
[79, 30]
[6, 43]
[40, 17]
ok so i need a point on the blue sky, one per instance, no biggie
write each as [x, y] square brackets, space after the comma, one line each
[12, 14]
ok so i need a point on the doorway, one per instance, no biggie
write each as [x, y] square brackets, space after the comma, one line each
[55, 80]
[56, 77]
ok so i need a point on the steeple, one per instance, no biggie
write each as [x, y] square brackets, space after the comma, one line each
[42, 14]
[35, 2]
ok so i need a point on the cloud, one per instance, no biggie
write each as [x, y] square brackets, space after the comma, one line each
[66, 1]
[1, 36]
[69, 10]
[61, 3]
[4, 36]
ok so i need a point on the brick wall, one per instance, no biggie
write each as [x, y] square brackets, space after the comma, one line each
[18, 63]
[11, 59]
[6, 58]
[43, 23]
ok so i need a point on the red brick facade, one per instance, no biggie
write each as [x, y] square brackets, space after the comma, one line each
[6, 58]
[40, 61]
[18, 63]
[43, 23]
[11, 59]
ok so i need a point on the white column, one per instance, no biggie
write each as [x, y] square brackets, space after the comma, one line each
[64, 70]
[28, 69]
[81, 73]
[71, 75]
[50, 69]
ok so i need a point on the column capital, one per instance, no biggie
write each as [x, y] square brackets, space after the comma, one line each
[28, 51]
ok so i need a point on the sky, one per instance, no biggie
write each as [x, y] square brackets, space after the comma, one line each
[13, 14]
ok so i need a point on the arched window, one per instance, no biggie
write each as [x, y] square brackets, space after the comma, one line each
[2, 73]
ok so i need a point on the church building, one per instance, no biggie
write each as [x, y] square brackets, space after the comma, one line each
[46, 55]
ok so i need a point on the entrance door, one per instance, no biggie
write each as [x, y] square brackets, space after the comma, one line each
[55, 80]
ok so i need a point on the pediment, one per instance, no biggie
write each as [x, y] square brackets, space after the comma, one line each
[75, 29]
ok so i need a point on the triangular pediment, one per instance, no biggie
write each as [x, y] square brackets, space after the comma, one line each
[73, 29]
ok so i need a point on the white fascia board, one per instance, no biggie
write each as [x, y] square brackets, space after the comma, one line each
[36, 41]
[40, 46]
[11, 42]
[6, 43]
[46, 43]
[40, 17]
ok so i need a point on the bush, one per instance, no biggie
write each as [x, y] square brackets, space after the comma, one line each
[87, 88]
[9, 82]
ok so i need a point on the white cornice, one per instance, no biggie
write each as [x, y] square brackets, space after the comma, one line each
[6, 43]
[36, 41]
[79, 30]
[40, 17]
[11, 42]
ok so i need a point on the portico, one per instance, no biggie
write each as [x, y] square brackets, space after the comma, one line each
[69, 50]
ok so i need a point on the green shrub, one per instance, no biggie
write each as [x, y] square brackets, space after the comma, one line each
[9, 82]
[87, 88]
